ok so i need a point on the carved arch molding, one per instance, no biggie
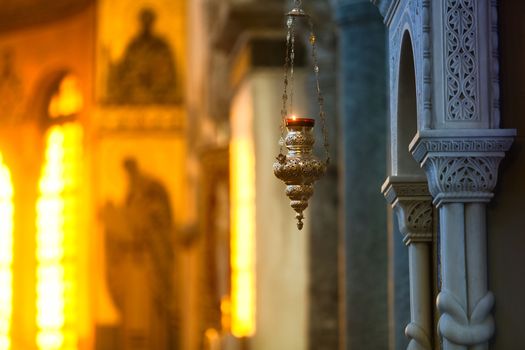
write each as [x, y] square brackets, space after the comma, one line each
[462, 73]
[415, 17]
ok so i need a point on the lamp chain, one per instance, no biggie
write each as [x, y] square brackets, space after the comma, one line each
[288, 93]
[299, 168]
[284, 110]
[292, 62]
[320, 98]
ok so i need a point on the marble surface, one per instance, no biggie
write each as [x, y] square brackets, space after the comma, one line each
[363, 134]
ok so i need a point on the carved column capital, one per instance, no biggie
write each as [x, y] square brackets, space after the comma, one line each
[412, 203]
[461, 164]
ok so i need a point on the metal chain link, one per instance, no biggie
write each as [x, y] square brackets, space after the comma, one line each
[320, 98]
[292, 62]
[289, 81]
[284, 110]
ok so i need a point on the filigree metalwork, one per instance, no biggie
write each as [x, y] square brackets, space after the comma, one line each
[298, 167]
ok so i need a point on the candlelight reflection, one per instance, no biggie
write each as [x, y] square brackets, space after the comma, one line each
[57, 227]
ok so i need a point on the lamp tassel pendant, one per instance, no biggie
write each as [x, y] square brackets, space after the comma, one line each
[299, 168]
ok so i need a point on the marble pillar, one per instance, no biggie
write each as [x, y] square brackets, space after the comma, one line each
[323, 256]
[459, 144]
[362, 65]
[398, 286]
[412, 204]
[462, 171]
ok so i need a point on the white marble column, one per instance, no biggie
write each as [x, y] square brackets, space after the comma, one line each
[462, 170]
[412, 203]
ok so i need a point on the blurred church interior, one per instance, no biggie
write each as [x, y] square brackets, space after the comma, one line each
[138, 207]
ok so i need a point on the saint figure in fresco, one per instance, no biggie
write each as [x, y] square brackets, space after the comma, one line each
[140, 262]
[147, 72]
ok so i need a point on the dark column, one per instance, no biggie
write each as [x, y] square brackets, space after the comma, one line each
[323, 310]
[363, 134]
[399, 289]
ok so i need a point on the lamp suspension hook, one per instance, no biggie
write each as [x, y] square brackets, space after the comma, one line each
[297, 11]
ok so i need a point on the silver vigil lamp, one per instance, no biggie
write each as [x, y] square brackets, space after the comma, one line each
[299, 168]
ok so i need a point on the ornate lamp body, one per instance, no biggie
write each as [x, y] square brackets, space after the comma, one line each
[299, 168]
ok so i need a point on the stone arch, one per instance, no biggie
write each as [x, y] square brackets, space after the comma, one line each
[412, 18]
[46, 86]
[406, 124]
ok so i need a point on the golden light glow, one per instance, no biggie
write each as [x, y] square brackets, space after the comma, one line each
[226, 313]
[57, 224]
[242, 170]
[6, 255]
[67, 100]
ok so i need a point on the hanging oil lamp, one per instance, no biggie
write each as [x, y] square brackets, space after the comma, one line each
[299, 168]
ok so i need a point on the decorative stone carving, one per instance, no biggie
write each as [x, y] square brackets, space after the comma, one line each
[420, 338]
[461, 164]
[458, 144]
[461, 169]
[465, 179]
[410, 198]
[457, 326]
[462, 90]
[494, 47]
[417, 220]
[426, 43]
[470, 73]
[413, 205]
[410, 189]
[414, 17]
